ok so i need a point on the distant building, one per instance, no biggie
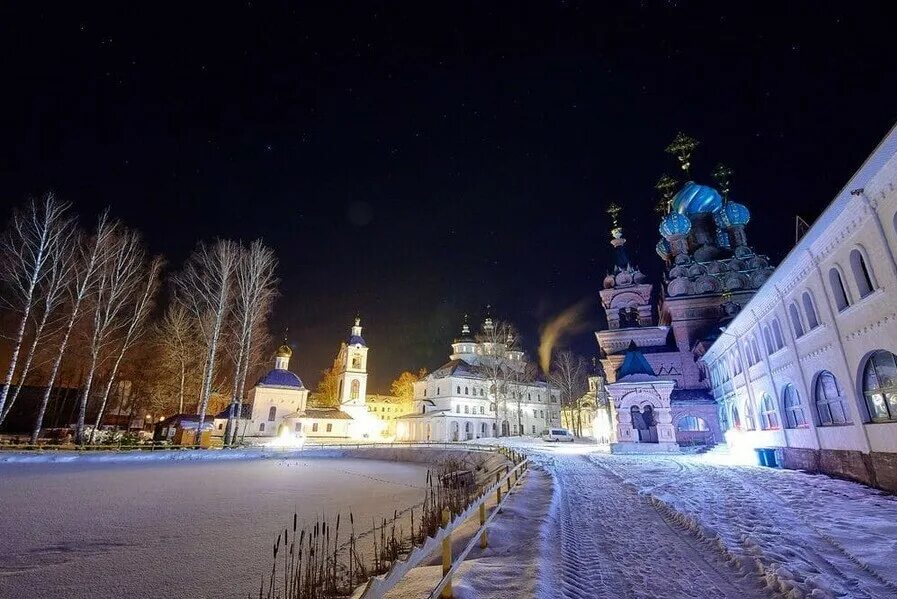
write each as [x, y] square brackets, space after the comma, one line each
[808, 367]
[457, 401]
[386, 408]
[278, 403]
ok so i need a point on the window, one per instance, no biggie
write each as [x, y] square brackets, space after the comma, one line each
[692, 424]
[314, 427]
[756, 347]
[880, 386]
[482, 410]
[810, 311]
[220, 426]
[736, 417]
[355, 389]
[830, 400]
[750, 420]
[534, 429]
[837, 285]
[535, 413]
[437, 391]
[467, 409]
[272, 413]
[457, 409]
[261, 427]
[459, 390]
[861, 273]
[541, 413]
[796, 324]
[794, 411]
[465, 391]
[482, 392]
[769, 420]
[298, 427]
[425, 391]
[749, 353]
[329, 427]
[777, 334]
[767, 338]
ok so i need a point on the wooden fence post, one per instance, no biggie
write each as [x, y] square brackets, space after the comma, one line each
[507, 473]
[446, 554]
[484, 541]
[498, 489]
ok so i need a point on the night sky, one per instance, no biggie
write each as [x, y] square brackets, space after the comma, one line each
[411, 163]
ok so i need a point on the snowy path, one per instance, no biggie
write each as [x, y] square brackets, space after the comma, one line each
[814, 534]
[614, 543]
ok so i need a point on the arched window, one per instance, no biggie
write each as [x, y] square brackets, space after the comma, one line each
[466, 392]
[482, 410]
[691, 424]
[467, 409]
[748, 353]
[777, 334]
[796, 324]
[458, 390]
[769, 420]
[834, 280]
[767, 338]
[860, 273]
[880, 386]
[355, 389]
[756, 347]
[794, 411]
[810, 311]
[830, 400]
[272, 413]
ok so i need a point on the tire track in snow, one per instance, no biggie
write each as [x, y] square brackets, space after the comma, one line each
[613, 543]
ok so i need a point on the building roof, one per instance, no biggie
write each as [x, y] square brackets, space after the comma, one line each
[455, 367]
[321, 414]
[245, 412]
[280, 378]
[186, 421]
[634, 364]
[691, 396]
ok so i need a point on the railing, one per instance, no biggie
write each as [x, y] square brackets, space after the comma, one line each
[379, 585]
[48, 446]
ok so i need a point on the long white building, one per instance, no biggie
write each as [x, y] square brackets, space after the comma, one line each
[809, 365]
[458, 400]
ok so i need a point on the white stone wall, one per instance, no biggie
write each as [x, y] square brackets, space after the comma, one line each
[862, 217]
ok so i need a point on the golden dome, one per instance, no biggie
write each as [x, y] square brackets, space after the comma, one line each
[284, 351]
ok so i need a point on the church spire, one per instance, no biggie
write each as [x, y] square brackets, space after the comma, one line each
[355, 338]
[621, 258]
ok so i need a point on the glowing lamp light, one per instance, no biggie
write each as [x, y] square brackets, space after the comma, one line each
[287, 439]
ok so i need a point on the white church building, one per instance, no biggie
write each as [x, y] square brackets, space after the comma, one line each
[278, 404]
[457, 401]
[808, 367]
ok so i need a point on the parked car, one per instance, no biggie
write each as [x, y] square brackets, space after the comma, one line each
[557, 434]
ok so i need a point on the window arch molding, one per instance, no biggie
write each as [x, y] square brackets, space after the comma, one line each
[810, 312]
[861, 267]
[840, 292]
[792, 408]
[797, 324]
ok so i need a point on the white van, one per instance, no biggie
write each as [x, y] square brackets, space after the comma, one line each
[557, 434]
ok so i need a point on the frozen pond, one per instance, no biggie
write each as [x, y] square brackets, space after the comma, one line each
[175, 529]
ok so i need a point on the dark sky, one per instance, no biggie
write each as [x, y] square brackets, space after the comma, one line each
[412, 163]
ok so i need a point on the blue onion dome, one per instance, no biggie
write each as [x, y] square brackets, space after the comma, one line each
[663, 249]
[737, 214]
[280, 378]
[696, 199]
[674, 224]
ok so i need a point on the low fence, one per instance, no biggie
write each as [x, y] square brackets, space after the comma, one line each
[504, 482]
[285, 448]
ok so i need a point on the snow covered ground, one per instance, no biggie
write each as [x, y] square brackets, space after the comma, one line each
[696, 526]
[174, 528]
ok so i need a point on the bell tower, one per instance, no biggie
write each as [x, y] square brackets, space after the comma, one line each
[353, 376]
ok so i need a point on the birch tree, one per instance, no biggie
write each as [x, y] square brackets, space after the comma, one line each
[141, 300]
[256, 287]
[205, 288]
[35, 237]
[499, 341]
[90, 258]
[569, 373]
[117, 282]
[176, 336]
[51, 295]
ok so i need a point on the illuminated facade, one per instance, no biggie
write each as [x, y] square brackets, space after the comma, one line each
[808, 367]
[457, 401]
